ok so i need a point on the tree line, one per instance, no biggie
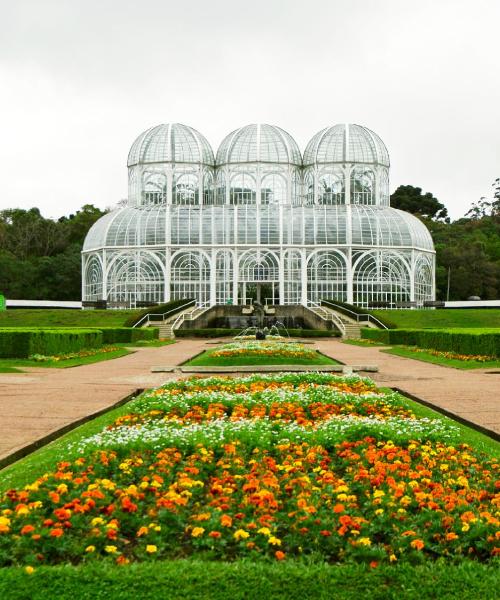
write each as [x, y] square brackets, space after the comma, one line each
[40, 257]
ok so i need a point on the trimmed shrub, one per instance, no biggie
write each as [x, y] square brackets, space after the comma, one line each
[460, 341]
[113, 335]
[22, 343]
[174, 306]
[226, 332]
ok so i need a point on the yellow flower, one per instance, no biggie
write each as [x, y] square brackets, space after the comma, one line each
[197, 531]
[274, 541]
[97, 521]
[110, 549]
[378, 493]
[364, 541]
[393, 558]
[29, 569]
[465, 527]
[90, 549]
[241, 534]
[264, 531]
[151, 548]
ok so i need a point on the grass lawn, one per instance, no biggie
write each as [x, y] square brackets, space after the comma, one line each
[242, 579]
[15, 365]
[207, 360]
[407, 352]
[363, 343]
[64, 318]
[441, 318]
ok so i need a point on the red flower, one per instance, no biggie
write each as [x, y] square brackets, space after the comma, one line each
[57, 532]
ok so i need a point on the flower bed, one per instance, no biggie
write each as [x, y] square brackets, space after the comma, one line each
[271, 348]
[262, 466]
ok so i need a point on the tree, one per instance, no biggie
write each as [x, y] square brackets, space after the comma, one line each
[411, 199]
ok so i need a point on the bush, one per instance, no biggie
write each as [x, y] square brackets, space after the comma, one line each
[472, 342]
[113, 335]
[225, 332]
[22, 343]
[174, 306]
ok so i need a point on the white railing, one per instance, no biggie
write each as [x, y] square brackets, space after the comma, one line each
[190, 315]
[326, 315]
[154, 317]
[359, 318]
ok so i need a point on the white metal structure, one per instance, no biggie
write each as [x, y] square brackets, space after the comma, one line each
[259, 222]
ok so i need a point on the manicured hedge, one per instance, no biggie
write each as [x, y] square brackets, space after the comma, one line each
[224, 332]
[158, 309]
[461, 341]
[21, 343]
[113, 335]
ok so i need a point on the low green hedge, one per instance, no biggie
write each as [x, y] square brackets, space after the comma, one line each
[158, 309]
[22, 343]
[114, 335]
[460, 341]
[225, 332]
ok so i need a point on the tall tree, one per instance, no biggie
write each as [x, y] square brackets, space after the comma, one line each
[412, 200]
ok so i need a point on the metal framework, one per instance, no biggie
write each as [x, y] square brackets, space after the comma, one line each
[259, 221]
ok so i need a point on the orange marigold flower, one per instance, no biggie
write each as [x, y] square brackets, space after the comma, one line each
[279, 555]
[214, 534]
[226, 521]
[338, 508]
[451, 536]
[417, 544]
[27, 529]
[325, 533]
[57, 532]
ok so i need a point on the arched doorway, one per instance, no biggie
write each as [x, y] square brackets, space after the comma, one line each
[258, 278]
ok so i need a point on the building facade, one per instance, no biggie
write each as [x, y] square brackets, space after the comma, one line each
[258, 221]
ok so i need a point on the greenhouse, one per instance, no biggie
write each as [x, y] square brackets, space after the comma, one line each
[258, 221]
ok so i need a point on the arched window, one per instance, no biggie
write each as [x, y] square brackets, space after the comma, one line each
[423, 279]
[331, 188]
[155, 188]
[326, 276]
[273, 189]
[190, 276]
[136, 279]
[258, 266]
[185, 189]
[384, 187]
[381, 279]
[362, 186]
[309, 188]
[208, 188]
[243, 189]
[93, 280]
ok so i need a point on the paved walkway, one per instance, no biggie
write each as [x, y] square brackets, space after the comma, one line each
[41, 401]
[473, 395]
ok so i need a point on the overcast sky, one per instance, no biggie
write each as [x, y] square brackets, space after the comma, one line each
[79, 80]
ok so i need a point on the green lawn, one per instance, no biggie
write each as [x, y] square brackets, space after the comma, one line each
[64, 318]
[441, 318]
[207, 360]
[363, 343]
[245, 579]
[408, 352]
[16, 365]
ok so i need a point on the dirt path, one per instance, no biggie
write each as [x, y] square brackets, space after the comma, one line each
[473, 395]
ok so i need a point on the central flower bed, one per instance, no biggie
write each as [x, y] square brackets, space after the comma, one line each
[284, 466]
[261, 353]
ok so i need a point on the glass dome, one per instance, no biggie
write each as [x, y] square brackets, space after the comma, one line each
[259, 143]
[346, 143]
[169, 143]
[130, 226]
